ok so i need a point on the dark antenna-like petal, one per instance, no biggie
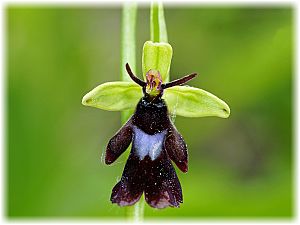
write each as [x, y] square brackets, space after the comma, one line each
[179, 81]
[134, 78]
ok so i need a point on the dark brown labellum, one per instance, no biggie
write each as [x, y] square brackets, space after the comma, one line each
[155, 142]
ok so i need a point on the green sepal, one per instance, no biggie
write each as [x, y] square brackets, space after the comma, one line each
[114, 96]
[194, 102]
[157, 56]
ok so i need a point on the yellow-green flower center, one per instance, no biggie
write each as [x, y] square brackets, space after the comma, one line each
[154, 82]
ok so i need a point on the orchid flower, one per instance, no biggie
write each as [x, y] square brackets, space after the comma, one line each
[155, 140]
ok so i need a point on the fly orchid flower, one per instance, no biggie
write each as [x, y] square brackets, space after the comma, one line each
[155, 140]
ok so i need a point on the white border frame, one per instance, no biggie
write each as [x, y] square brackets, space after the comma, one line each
[4, 220]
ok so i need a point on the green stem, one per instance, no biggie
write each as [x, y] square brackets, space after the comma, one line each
[136, 213]
[128, 55]
[158, 33]
[158, 29]
[128, 43]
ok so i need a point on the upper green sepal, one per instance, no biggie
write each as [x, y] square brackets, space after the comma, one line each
[114, 96]
[194, 102]
[157, 56]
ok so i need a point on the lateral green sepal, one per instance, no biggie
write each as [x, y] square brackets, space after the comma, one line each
[114, 96]
[194, 102]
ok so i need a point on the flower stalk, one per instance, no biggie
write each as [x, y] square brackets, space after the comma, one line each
[128, 49]
[158, 33]
[128, 55]
[158, 29]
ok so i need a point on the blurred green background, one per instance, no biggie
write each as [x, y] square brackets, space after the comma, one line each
[240, 167]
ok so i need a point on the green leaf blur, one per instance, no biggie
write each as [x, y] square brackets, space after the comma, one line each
[241, 167]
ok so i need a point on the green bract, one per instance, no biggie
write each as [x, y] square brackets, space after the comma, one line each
[157, 56]
[181, 100]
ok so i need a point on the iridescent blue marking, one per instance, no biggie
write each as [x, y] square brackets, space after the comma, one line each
[146, 144]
